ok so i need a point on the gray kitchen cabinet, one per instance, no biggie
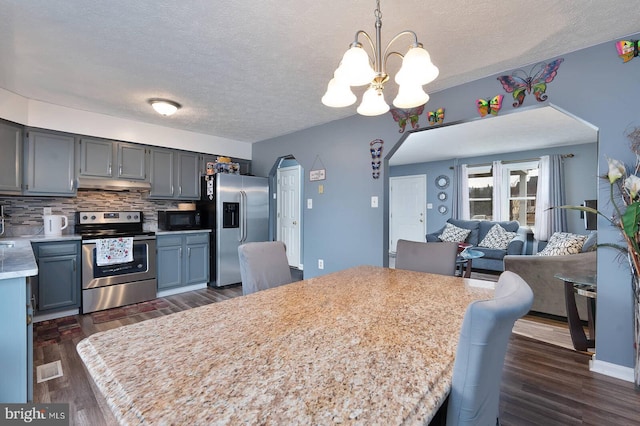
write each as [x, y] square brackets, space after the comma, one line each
[57, 285]
[16, 335]
[183, 259]
[108, 159]
[174, 174]
[11, 158]
[49, 164]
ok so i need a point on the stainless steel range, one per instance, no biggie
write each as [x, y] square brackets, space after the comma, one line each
[120, 282]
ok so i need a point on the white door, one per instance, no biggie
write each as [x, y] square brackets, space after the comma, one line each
[289, 225]
[407, 209]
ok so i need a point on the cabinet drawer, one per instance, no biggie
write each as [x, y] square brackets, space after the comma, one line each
[168, 240]
[56, 249]
[197, 238]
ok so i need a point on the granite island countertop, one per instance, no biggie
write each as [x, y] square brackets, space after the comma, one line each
[367, 345]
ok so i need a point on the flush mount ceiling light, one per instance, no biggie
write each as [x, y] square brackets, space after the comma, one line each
[356, 69]
[164, 106]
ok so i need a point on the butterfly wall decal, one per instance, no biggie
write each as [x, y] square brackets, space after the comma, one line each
[402, 115]
[520, 82]
[375, 147]
[627, 49]
[436, 117]
[491, 106]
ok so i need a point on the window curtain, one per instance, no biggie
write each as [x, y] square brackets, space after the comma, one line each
[498, 193]
[550, 193]
[460, 198]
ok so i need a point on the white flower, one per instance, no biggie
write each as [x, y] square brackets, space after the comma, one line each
[632, 184]
[616, 170]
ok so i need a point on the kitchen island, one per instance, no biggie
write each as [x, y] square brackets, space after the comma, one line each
[367, 345]
[16, 351]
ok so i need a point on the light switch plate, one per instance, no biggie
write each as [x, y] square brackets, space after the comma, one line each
[374, 202]
[309, 203]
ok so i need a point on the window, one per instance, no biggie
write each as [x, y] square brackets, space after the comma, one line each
[517, 203]
[480, 181]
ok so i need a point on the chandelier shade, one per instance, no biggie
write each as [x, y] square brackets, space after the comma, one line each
[357, 68]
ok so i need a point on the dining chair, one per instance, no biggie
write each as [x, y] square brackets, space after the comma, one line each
[263, 265]
[482, 346]
[435, 258]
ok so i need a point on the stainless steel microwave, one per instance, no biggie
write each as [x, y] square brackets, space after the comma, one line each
[176, 220]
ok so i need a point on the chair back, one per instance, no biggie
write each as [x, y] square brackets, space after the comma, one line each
[435, 258]
[263, 265]
[477, 371]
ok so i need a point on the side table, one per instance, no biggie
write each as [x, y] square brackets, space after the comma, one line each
[464, 260]
[584, 285]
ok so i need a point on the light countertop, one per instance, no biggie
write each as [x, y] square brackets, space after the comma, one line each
[186, 231]
[17, 261]
[367, 345]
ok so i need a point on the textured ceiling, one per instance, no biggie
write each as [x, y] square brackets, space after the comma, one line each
[250, 70]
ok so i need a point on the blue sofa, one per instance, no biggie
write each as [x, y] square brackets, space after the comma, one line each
[493, 258]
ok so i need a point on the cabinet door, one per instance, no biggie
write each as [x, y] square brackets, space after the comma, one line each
[50, 164]
[13, 335]
[188, 176]
[197, 258]
[11, 158]
[169, 262]
[96, 158]
[58, 286]
[132, 162]
[161, 173]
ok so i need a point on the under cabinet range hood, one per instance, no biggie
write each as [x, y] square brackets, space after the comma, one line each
[113, 184]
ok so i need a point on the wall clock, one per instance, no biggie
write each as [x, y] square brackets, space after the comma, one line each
[442, 181]
[442, 196]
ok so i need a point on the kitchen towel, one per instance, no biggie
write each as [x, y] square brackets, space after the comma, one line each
[111, 251]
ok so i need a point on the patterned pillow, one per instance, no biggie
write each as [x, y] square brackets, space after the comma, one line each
[563, 243]
[497, 238]
[454, 234]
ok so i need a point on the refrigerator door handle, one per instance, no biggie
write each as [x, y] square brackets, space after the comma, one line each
[243, 216]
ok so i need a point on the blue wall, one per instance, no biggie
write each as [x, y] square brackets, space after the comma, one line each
[342, 228]
[578, 170]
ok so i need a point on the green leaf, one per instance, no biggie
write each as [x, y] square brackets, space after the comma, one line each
[630, 219]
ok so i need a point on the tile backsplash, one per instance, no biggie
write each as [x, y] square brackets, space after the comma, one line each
[24, 214]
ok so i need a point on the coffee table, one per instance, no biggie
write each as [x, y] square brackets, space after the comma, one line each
[465, 259]
[584, 285]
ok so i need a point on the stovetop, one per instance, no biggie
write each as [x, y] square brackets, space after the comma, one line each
[109, 224]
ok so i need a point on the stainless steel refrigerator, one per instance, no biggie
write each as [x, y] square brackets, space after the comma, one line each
[236, 209]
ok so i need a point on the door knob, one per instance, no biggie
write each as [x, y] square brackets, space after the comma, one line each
[295, 223]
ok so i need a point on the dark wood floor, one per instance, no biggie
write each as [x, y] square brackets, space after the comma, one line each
[542, 384]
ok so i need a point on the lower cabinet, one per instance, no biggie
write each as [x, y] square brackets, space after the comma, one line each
[16, 335]
[57, 286]
[183, 259]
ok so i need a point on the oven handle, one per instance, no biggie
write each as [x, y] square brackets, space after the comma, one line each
[135, 238]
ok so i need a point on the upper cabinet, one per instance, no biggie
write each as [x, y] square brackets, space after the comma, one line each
[11, 158]
[174, 174]
[112, 160]
[49, 163]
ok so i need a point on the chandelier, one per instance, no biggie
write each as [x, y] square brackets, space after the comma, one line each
[356, 69]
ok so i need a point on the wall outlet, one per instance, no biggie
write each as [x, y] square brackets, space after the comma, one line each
[46, 210]
[309, 203]
[320, 264]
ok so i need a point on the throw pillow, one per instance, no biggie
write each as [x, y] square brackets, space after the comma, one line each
[454, 234]
[497, 238]
[563, 243]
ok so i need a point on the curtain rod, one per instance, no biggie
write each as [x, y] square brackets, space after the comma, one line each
[563, 156]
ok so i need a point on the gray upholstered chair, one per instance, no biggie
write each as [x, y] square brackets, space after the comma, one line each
[263, 265]
[477, 371]
[435, 258]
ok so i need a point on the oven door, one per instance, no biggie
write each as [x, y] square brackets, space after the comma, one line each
[143, 266]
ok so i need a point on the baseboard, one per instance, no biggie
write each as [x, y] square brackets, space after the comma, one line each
[54, 315]
[611, 370]
[178, 290]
